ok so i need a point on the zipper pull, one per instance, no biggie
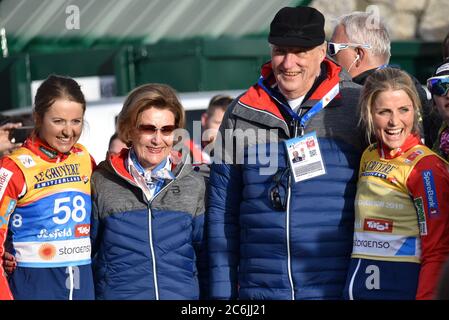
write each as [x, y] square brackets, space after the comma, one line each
[299, 131]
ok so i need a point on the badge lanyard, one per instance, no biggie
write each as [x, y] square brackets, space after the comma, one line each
[310, 163]
[321, 104]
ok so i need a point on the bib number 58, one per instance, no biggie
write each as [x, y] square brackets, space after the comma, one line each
[76, 211]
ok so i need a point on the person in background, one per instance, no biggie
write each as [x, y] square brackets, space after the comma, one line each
[148, 207]
[268, 236]
[115, 145]
[438, 86]
[45, 203]
[361, 44]
[401, 236]
[212, 118]
[210, 121]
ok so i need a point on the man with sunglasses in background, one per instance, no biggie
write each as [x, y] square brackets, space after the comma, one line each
[438, 86]
[360, 44]
[286, 233]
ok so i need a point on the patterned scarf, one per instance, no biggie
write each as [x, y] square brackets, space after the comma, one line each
[152, 179]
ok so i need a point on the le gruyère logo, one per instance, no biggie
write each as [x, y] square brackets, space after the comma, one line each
[377, 169]
[57, 175]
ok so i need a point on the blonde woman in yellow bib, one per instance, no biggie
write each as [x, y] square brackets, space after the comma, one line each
[45, 201]
[401, 236]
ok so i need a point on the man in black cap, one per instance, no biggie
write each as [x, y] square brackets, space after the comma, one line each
[278, 230]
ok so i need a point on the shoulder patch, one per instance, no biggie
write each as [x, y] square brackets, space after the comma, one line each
[7, 207]
[27, 160]
[431, 195]
[412, 156]
[419, 205]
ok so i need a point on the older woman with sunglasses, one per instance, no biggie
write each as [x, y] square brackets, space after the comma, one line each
[148, 206]
[438, 86]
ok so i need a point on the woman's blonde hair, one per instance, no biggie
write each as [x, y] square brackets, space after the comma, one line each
[384, 80]
[147, 96]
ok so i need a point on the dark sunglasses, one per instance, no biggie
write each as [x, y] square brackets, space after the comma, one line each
[150, 129]
[277, 194]
[438, 86]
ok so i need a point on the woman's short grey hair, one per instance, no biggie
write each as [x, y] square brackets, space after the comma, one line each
[365, 28]
[147, 96]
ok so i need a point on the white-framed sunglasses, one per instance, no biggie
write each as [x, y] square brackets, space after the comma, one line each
[333, 48]
[438, 85]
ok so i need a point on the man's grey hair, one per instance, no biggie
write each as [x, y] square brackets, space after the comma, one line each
[364, 28]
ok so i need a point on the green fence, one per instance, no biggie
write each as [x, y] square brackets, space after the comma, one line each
[417, 58]
[199, 65]
[17, 72]
[188, 65]
[15, 82]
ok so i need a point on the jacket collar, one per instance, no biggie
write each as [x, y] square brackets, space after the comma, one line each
[45, 152]
[387, 153]
[361, 78]
[268, 103]
[118, 162]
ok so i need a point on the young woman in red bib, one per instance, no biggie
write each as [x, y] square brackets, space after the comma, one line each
[45, 201]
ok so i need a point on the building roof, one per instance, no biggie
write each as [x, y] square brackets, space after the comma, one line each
[88, 23]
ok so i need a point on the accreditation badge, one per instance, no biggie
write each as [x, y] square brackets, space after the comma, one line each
[305, 157]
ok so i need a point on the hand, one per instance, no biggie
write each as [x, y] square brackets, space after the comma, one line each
[7, 146]
[9, 263]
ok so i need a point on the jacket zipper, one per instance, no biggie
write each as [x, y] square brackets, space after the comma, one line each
[150, 233]
[153, 257]
[289, 193]
[289, 260]
[150, 229]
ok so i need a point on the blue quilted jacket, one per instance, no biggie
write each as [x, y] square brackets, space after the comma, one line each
[147, 249]
[303, 252]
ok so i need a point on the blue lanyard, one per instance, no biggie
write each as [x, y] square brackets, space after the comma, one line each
[320, 105]
[328, 97]
[278, 97]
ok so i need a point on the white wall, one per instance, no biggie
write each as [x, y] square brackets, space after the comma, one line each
[100, 118]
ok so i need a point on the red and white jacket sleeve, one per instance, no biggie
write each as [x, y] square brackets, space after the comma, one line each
[429, 181]
[12, 185]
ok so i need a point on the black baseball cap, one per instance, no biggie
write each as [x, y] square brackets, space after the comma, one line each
[297, 27]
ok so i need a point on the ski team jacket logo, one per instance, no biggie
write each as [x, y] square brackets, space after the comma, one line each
[50, 226]
[386, 225]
